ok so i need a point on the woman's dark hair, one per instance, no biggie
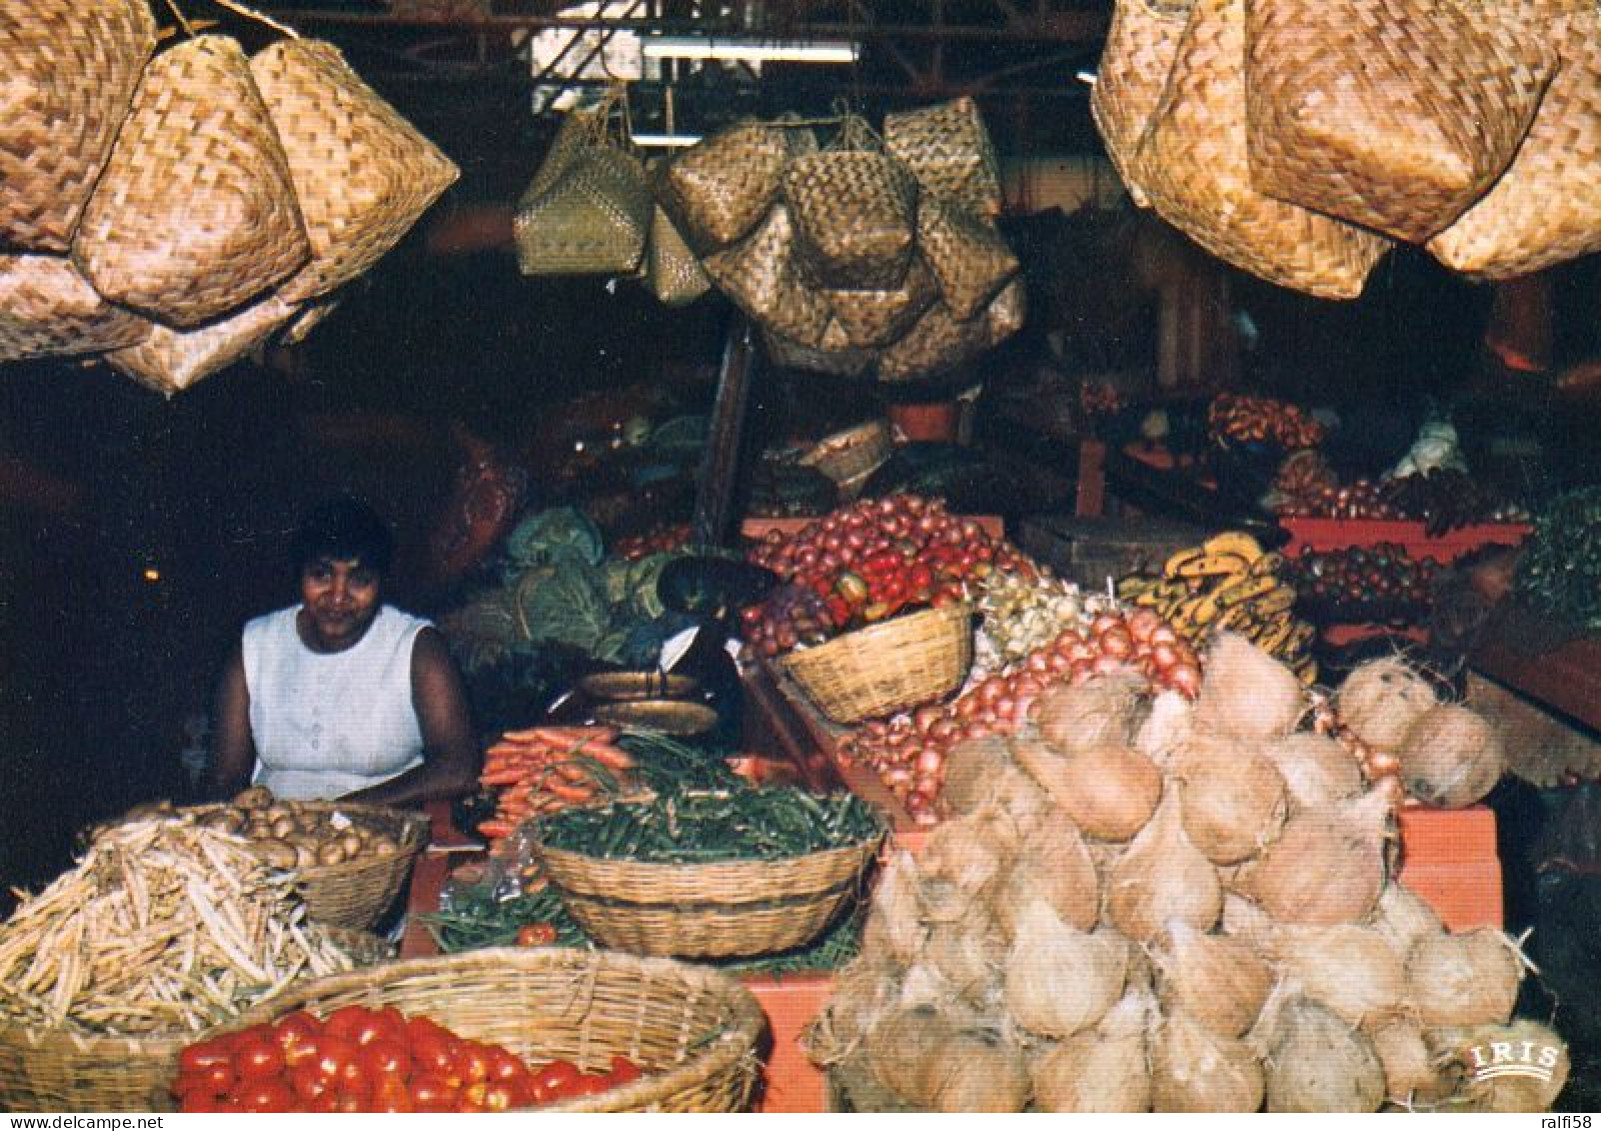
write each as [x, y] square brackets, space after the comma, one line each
[342, 528]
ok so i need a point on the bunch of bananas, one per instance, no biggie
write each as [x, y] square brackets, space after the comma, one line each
[1229, 582]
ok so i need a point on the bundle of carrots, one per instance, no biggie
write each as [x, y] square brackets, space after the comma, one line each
[545, 768]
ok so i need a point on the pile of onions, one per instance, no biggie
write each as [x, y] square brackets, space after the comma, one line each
[1250, 953]
[909, 751]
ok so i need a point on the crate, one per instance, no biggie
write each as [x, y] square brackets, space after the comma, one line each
[1089, 550]
[1343, 533]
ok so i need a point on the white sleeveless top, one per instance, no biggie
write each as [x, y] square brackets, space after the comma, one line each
[325, 724]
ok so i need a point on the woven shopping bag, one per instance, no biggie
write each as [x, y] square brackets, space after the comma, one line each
[876, 318]
[170, 360]
[968, 254]
[855, 212]
[672, 271]
[580, 127]
[760, 275]
[71, 67]
[195, 212]
[1141, 44]
[718, 190]
[1393, 114]
[594, 215]
[948, 149]
[47, 308]
[362, 173]
[1546, 208]
[1193, 164]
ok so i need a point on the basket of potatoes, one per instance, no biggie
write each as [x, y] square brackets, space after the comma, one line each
[352, 859]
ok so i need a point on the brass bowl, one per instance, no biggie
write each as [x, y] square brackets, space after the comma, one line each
[614, 687]
[669, 716]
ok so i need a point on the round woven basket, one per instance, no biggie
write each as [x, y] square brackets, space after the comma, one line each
[57, 1070]
[693, 1030]
[738, 909]
[356, 893]
[669, 716]
[858, 450]
[616, 686]
[888, 666]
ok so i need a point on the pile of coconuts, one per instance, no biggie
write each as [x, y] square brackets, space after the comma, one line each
[1144, 903]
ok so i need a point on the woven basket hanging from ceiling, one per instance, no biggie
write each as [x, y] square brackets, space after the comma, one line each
[169, 360]
[968, 255]
[762, 278]
[1546, 208]
[195, 212]
[877, 318]
[1193, 164]
[718, 190]
[1141, 44]
[362, 173]
[594, 219]
[47, 307]
[832, 355]
[71, 67]
[1392, 114]
[672, 271]
[938, 343]
[949, 151]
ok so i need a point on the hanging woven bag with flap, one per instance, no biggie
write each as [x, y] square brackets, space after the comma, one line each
[71, 67]
[1393, 114]
[949, 151]
[718, 190]
[196, 212]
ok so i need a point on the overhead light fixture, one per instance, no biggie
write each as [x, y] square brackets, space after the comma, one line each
[664, 141]
[1086, 77]
[750, 50]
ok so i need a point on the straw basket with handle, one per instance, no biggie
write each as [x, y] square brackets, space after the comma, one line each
[694, 1031]
[887, 666]
[71, 67]
[853, 453]
[55, 1069]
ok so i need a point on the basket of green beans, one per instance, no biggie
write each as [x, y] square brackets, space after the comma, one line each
[711, 873]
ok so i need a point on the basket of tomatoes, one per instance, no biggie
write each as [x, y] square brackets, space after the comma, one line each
[563, 1030]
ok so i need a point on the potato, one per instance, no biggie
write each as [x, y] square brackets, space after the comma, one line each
[278, 853]
[382, 847]
[285, 828]
[227, 820]
[352, 845]
[331, 853]
[256, 797]
[305, 854]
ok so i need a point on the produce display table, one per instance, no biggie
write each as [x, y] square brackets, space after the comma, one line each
[1343, 533]
[1549, 664]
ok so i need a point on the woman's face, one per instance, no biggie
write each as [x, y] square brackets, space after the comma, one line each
[341, 599]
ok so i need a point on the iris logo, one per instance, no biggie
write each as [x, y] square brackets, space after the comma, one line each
[1534, 1060]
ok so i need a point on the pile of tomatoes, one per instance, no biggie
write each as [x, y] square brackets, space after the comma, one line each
[867, 562]
[372, 1060]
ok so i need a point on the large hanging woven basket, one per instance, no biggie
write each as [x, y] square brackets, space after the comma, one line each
[1389, 114]
[855, 216]
[71, 67]
[950, 153]
[693, 1030]
[1546, 208]
[876, 318]
[1193, 164]
[594, 219]
[968, 255]
[762, 278]
[170, 361]
[672, 271]
[833, 355]
[1141, 45]
[195, 213]
[718, 190]
[362, 173]
[938, 343]
[46, 307]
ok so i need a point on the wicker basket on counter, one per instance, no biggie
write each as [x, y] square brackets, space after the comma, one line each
[888, 666]
[57, 1070]
[849, 455]
[693, 1031]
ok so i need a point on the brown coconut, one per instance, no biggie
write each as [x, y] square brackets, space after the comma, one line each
[1247, 693]
[895, 926]
[1231, 798]
[984, 1072]
[1316, 769]
[1168, 726]
[1404, 917]
[1353, 970]
[1103, 709]
[969, 955]
[1381, 699]
[982, 771]
[1318, 1063]
[865, 989]
[1103, 1069]
[1194, 1069]
[1412, 1077]
[1536, 1054]
[1466, 979]
[1217, 980]
[906, 1052]
[955, 866]
[1451, 757]
[1162, 877]
[1247, 922]
[1060, 980]
[1052, 864]
[1327, 866]
[1108, 790]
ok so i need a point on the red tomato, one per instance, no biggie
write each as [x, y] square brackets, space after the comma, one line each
[431, 1092]
[505, 1066]
[432, 1052]
[212, 1080]
[336, 1056]
[352, 1099]
[551, 1081]
[257, 1058]
[383, 1058]
[264, 1095]
[200, 1103]
[624, 1071]
[294, 1027]
[389, 1094]
[202, 1054]
[325, 1104]
[342, 1022]
[588, 1084]
[308, 1082]
[536, 934]
[472, 1062]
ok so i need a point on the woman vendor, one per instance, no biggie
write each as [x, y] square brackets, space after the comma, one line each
[342, 695]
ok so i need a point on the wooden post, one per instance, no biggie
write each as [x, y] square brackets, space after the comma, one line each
[714, 493]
